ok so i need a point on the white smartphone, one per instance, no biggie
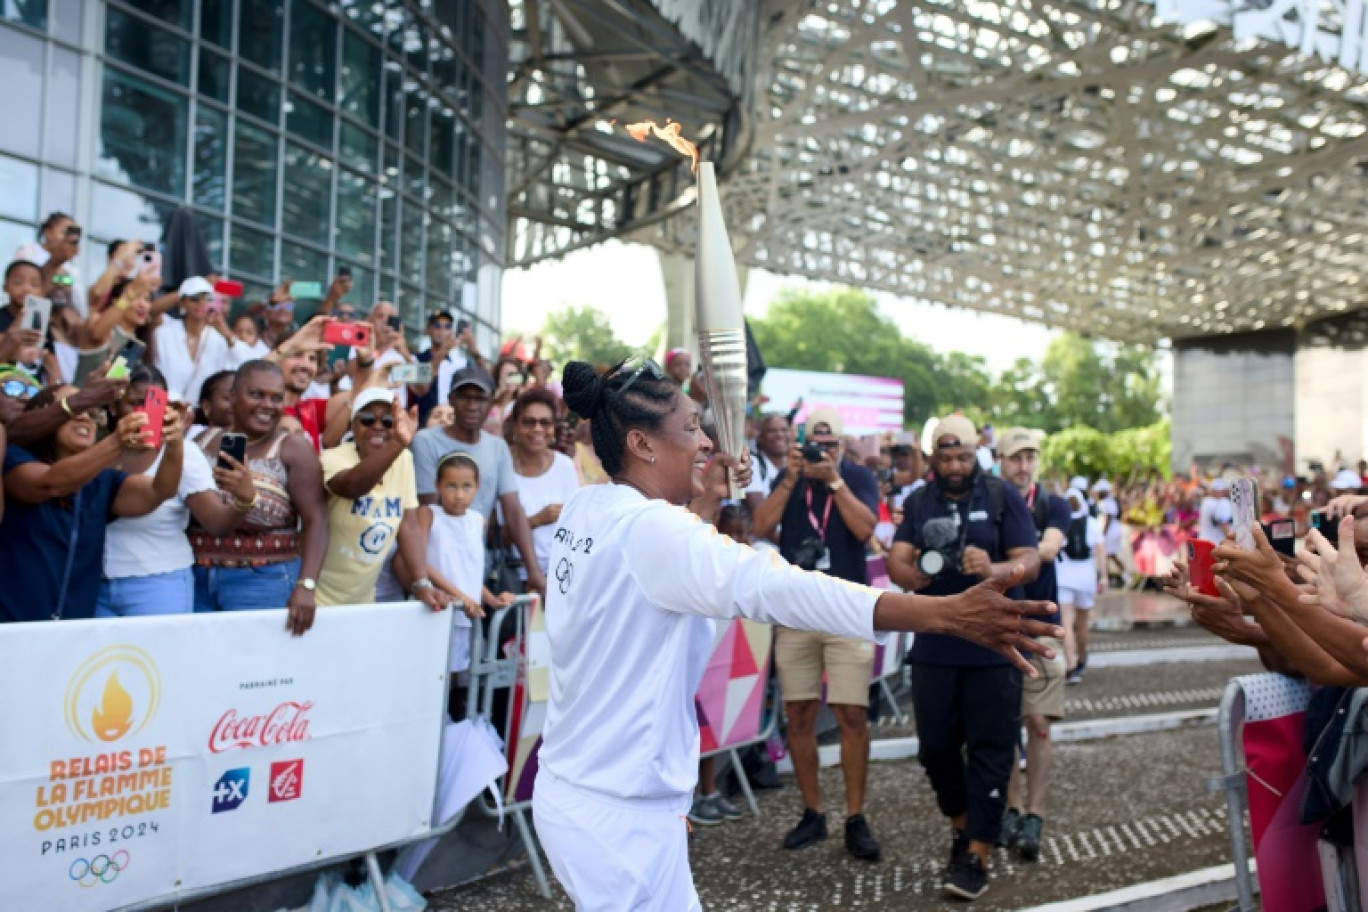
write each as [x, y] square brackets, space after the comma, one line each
[37, 314]
[1244, 502]
[418, 372]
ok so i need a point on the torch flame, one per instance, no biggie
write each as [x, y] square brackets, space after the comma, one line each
[114, 716]
[670, 133]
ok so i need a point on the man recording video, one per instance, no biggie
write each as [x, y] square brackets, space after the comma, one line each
[827, 505]
[964, 527]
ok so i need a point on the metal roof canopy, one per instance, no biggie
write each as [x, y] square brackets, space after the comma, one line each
[1086, 165]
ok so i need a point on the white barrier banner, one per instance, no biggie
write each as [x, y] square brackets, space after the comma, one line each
[150, 757]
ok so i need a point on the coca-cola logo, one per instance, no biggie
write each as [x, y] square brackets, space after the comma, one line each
[287, 722]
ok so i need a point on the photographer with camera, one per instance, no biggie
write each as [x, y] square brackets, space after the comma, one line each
[962, 528]
[825, 508]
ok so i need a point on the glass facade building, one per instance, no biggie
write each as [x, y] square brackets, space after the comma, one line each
[304, 136]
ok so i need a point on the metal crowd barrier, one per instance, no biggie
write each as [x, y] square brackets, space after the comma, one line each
[490, 671]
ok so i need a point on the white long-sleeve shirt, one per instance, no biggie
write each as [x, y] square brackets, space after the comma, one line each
[633, 587]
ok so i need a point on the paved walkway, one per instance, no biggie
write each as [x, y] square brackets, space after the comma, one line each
[1124, 810]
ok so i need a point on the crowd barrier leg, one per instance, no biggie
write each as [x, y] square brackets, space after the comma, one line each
[887, 692]
[377, 880]
[533, 852]
[744, 781]
[1232, 782]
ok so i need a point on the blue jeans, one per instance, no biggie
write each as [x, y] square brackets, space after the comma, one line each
[245, 588]
[141, 596]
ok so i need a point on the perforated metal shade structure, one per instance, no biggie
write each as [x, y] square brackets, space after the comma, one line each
[1087, 165]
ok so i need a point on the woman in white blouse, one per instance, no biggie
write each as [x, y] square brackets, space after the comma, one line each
[635, 582]
[546, 478]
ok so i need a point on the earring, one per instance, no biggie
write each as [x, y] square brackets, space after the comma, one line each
[653, 460]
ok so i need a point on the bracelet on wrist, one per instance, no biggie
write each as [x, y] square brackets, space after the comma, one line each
[245, 506]
[66, 407]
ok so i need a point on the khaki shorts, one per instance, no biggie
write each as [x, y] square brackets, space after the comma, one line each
[1044, 696]
[800, 656]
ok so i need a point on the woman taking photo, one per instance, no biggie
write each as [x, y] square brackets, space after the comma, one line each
[546, 478]
[128, 316]
[60, 494]
[148, 560]
[272, 560]
[636, 577]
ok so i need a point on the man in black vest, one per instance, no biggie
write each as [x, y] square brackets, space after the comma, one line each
[962, 528]
[1042, 699]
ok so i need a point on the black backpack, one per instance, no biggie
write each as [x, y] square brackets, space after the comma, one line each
[1076, 545]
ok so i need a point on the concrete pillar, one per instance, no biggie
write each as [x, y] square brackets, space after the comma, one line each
[678, 273]
[680, 331]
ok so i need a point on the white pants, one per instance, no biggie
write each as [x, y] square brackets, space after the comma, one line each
[613, 854]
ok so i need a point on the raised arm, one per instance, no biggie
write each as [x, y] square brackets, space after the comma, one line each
[140, 495]
[37, 482]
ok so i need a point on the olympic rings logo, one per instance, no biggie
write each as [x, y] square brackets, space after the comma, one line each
[100, 869]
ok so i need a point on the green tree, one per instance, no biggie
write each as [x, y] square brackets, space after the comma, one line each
[1088, 387]
[841, 331]
[582, 333]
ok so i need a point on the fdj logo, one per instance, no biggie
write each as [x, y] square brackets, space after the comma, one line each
[231, 789]
[101, 869]
[287, 781]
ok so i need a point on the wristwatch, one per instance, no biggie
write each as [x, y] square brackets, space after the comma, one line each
[308, 582]
[421, 584]
[836, 485]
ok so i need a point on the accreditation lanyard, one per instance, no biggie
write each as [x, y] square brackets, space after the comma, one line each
[826, 514]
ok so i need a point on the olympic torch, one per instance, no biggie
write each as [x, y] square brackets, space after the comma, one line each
[721, 327]
[717, 299]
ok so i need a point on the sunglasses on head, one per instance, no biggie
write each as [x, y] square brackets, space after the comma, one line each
[19, 389]
[647, 366]
[386, 421]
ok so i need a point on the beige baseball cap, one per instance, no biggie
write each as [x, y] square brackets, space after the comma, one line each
[828, 416]
[1016, 439]
[956, 426]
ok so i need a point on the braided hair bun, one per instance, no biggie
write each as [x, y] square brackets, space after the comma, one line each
[584, 388]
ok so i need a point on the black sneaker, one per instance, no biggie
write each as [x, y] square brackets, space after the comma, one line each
[1011, 827]
[959, 848]
[967, 878]
[809, 831]
[1028, 843]
[860, 842]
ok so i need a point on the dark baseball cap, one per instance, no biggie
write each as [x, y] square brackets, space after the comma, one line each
[440, 315]
[472, 375]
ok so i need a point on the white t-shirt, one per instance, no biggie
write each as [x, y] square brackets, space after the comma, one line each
[1214, 513]
[764, 473]
[633, 587]
[456, 550]
[553, 486]
[241, 353]
[156, 543]
[445, 371]
[1112, 534]
[185, 375]
[1081, 575]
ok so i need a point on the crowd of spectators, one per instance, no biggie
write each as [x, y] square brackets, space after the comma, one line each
[170, 451]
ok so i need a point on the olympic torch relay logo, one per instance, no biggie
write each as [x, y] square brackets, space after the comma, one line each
[114, 693]
[114, 790]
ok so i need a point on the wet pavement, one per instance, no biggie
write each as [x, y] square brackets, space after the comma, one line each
[1124, 810]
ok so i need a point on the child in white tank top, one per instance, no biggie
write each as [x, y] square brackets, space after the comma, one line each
[456, 551]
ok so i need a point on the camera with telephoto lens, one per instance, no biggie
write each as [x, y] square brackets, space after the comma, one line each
[940, 546]
[809, 554]
[812, 451]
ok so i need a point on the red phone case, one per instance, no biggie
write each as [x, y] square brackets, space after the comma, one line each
[1199, 567]
[228, 288]
[338, 332]
[155, 409]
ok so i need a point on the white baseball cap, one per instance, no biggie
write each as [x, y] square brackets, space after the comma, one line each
[195, 286]
[1078, 483]
[370, 396]
[1102, 487]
